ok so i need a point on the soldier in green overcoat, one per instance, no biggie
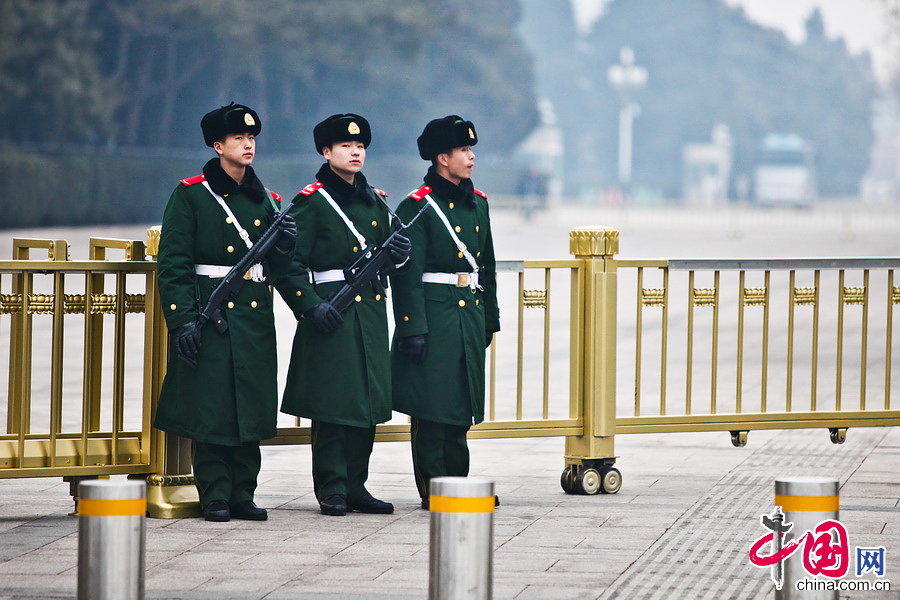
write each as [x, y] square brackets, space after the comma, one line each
[339, 376]
[445, 305]
[220, 388]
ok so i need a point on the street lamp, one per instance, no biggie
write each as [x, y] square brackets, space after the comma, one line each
[626, 78]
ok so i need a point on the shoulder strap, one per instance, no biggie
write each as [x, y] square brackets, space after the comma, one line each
[274, 200]
[359, 237]
[462, 247]
[256, 271]
[308, 190]
[192, 180]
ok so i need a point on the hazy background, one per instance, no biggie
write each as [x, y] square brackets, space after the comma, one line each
[100, 100]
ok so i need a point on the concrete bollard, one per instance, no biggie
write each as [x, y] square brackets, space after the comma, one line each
[462, 538]
[805, 502]
[111, 540]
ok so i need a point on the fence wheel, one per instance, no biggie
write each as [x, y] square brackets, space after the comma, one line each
[588, 481]
[739, 439]
[610, 481]
[567, 481]
[838, 434]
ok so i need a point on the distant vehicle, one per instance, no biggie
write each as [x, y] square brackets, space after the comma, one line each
[785, 172]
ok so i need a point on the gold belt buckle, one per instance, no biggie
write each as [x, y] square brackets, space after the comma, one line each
[462, 280]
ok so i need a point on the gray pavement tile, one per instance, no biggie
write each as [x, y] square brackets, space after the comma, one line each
[259, 584]
[598, 562]
[28, 564]
[163, 577]
[879, 489]
[35, 591]
[587, 587]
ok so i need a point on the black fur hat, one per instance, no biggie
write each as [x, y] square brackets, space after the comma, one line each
[441, 135]
[233, 118]
[342, 128]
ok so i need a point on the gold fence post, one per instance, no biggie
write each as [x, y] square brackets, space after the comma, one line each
[171, 493]
[590, 456]
[18, 416]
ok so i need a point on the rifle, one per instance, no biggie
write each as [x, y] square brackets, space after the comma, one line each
[369, 268]
[234, 280]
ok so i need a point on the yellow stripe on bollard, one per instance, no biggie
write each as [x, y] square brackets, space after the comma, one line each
[450, 504]
[93, 507]
[807, 503]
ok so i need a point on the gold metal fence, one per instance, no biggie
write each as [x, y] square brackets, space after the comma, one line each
[662, 416]
[96, 441]
[556, 369]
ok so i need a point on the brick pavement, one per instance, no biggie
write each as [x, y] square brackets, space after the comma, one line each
[680, 527]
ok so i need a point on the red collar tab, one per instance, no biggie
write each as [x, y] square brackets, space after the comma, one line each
[311, 188]
[276, 196]
[381, 192]
[480, 193]
[419, 194]
[193, 180]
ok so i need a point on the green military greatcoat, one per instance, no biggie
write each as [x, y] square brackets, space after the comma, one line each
[342, 377]
[449, 386]
[230, 398]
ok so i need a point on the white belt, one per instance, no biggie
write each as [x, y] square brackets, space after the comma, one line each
[454, 279]
[211, 270]
[326, 276]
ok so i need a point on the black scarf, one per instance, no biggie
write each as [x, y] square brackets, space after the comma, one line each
[344, 192]
[222, 183]
[464, 192]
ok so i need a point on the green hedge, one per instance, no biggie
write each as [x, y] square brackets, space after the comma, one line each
[44, 190]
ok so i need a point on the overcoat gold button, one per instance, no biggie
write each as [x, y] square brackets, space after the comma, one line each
[228, 220]
[462, 302]
[374, 223]
[172, 306]
[231, 305]
[478, 254]
[230, 248]
[476, 302]
[299, 293]
[406, 318]
[451, 205]
[378, 296]
[476, 229]
[355, 249]
[460, 254]
[457, 228]
[253, 304]
[358, 298]
[258, 223]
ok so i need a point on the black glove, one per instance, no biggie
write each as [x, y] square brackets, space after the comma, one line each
[414, 346]
[326, 317]
[488, 338]
[399, 248]
[188, 342]
[287, 233]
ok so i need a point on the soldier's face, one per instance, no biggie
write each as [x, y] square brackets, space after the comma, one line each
[346, 158]
[237, 149]
[459, 163]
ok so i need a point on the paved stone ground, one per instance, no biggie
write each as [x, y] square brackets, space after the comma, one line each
[680, 527]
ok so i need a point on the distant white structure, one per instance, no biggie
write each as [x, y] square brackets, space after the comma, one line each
[707, 168]
[541, 156]
[626, 78]
[882, 182]
[785, 171]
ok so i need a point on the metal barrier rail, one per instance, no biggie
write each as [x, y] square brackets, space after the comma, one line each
[92, 450]
[520, 399]
[739, 421]
[519, 425]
